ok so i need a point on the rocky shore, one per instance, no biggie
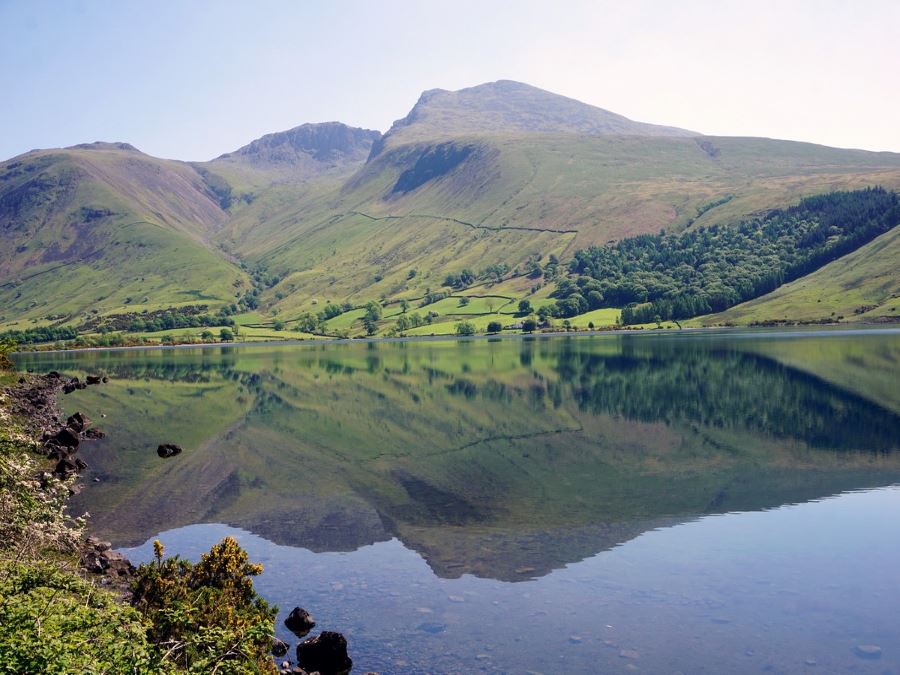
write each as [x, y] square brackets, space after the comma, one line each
[32, 402]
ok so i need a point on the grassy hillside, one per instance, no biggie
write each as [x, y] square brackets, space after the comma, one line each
[497, 175]
[105, 229]
[514, 199]
[861, 286]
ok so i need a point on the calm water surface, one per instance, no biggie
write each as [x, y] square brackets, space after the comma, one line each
[702, 503]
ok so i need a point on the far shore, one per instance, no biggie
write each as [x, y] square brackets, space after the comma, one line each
[799, 330]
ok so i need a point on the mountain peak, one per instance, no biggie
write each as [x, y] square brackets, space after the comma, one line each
[507, 106]
[105, 145]
[327, 144]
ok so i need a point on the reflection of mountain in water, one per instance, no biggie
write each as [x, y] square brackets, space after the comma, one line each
[503, 460]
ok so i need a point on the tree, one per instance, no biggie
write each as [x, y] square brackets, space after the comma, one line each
[525, 307]
[6, 348]
[529, 325]
[404, 305]
[225, 335]
[278, 324]
[464, 301]
[494, 327]
[465, 328]
[370, 325]
[207, 335]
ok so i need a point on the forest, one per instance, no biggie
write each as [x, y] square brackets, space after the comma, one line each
[671, 277]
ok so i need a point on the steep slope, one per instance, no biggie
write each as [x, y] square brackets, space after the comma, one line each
[861, 286]
[477, 201]
[102, 228]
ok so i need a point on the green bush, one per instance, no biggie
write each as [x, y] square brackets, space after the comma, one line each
[52, 621]
[207, 616]
[465, 328]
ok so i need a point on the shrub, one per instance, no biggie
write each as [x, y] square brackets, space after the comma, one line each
[494, 327]
[52, 621]
[6, 347]
[207, 616]
[465, 328]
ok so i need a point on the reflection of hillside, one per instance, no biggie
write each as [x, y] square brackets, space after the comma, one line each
[724, 389]
[503, 460]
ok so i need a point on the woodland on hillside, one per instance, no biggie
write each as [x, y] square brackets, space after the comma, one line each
[665, 277]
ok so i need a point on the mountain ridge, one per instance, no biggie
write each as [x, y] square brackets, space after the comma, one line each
[497, 175]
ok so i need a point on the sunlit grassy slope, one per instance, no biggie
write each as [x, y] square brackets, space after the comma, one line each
[523, 196]
[497, 174]
[106, 229]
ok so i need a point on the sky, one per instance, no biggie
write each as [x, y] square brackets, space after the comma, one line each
[196, 78]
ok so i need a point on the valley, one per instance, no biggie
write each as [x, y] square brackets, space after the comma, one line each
[476, 201]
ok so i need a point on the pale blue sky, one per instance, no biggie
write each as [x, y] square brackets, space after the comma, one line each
[194, 79]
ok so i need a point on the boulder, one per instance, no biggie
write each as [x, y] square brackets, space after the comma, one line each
[279, 647]
[169, 450]
[299, 622]
[65, 467]
[66, 438]
[93, 379]
[77, 422]
[326, 653]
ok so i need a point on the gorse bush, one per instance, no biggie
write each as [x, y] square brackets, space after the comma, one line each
[206, 616]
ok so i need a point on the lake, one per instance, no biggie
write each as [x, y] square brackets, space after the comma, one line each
[699, 503]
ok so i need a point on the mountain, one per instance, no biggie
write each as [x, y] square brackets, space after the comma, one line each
[507, 107]
[102, 227]
[500, 176]
[307, 150]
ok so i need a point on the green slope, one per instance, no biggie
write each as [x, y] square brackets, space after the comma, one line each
[861, 286]
[497, 174]
[106, 229]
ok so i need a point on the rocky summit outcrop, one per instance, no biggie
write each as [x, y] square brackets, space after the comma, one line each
[328, 144]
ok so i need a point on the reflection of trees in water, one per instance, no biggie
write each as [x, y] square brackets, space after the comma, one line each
[725, 389]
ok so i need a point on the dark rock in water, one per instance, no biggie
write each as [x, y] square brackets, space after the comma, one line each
[93, 434]
[57, 452]
[104, 379]
[432, 627]
[279, 647]
[77, 422]
[65, 467]
[81, 385]
[93, 379]
[80, 463]
[299, 622]
[169, 450]
[67, 438]
[68, 388]
[326, 653]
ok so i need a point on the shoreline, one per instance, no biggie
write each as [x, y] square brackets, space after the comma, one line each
[734, 330]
